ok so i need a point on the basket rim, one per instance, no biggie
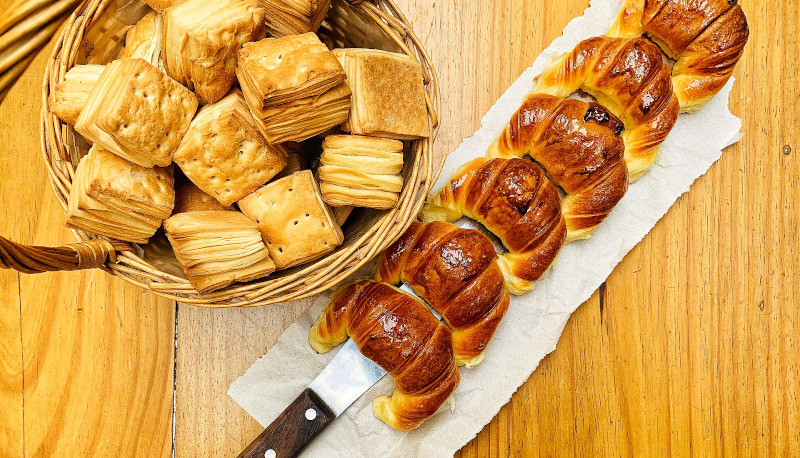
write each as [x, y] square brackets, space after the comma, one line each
[311, 278]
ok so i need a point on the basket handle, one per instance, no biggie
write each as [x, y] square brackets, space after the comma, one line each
[29, 259]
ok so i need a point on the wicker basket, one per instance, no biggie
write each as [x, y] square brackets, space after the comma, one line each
[95, 34]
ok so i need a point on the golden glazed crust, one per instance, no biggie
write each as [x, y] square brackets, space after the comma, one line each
[388, 94]
[513, 199]
[295, 223]
[579, 146]
[398, 332]
[629, 77]
[137, 112]
[456, 271]
[707, 38]
[224, 154]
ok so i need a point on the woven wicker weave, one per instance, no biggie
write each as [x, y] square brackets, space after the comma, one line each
[375, 24]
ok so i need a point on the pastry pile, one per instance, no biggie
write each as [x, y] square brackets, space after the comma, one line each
[206, 125]
[590, 151]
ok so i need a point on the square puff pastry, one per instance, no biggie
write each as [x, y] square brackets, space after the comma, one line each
[293, 17]
[361, 171]
[118, 199]
[137, 112]
[144, 41]
[294, 221]
[69, 96]
[224, 154]
[273, 72]
[388, 94]
[218, 248]
[188, 198]
[202, 39]
[304, 118]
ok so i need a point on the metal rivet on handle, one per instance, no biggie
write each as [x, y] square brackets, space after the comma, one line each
[270, 454]
[311, 414]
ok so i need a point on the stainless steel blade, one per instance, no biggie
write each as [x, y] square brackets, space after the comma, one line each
[346, 378]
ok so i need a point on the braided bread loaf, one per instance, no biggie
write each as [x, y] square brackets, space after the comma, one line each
[579, 146]
[514, 200]
[629, 77]
[398, 332]
[707, 38]
[456, 271]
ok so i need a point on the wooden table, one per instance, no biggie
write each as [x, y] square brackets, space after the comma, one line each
[692, 345]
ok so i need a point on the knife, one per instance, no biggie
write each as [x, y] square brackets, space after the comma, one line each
[344, 379]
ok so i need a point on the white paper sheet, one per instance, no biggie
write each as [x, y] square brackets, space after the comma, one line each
[535, 320]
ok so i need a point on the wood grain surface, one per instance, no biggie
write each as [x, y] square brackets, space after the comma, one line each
[691, 347]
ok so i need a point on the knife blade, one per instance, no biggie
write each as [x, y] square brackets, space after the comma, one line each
[344, 379]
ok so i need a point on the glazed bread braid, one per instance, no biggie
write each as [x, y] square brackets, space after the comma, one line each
[579, 146]
[401, 335]
[514, 199]
[706, 38]
[629, 77]
[456, 271]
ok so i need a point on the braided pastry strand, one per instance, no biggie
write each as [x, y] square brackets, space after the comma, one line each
[629, 77]
[706, 38]
[580, 148]
[401, 335]
[514, 199]
[455, 270]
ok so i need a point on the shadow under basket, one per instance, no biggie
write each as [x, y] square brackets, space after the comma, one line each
[95, 33]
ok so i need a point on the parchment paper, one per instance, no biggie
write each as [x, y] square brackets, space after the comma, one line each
[535, 320]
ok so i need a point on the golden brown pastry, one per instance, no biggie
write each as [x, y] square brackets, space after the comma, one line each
[627, 76]
[388, 94]
[202, 39]
[580, 148]
[145, 40]
[119, 199]
[137, 112]
[455, 270]
[161, 5]
[189, 198]
[707, 38]
[294, 222]
[218, 248]
[224, 154]
[361, 171]
[277, 71]
[397, 332]
[301, 119]
[295, 161]
[294, 86]
[514, 200]
[294, 17]
[69, 96]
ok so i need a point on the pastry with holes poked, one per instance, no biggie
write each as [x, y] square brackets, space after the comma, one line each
[295, 222]
[118, 199]
[224, 154]
[137, 112]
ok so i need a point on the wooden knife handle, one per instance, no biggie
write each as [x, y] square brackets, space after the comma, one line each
[294, 428]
